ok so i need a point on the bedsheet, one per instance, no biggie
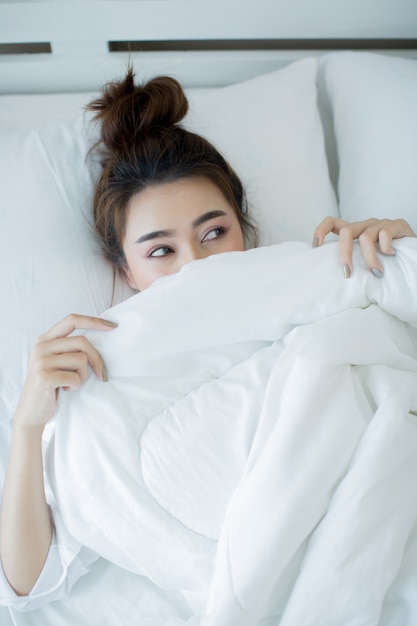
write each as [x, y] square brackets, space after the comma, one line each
[255, 447]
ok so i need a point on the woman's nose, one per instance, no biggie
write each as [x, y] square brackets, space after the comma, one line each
[192, 253]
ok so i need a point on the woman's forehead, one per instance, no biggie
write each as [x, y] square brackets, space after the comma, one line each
[184, 199]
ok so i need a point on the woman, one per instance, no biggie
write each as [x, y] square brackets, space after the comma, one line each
[165, 197]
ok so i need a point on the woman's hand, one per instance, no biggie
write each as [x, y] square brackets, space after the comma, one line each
[371, 234]
[59, 360]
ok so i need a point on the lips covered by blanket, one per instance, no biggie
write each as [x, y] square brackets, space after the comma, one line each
[255, 446]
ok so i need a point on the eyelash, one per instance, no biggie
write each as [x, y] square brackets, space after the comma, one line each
[152, 254]
[221, 232]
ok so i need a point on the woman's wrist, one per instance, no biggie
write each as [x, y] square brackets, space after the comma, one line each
[27, 433]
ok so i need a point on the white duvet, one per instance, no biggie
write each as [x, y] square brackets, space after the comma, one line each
[255, 447]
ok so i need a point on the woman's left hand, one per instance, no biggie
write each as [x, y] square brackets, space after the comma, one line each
[370, 233]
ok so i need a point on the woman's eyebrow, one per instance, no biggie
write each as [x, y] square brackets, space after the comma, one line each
[155, 235]
[169, 233]
[207, 216]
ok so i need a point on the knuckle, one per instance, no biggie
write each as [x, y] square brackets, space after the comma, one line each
[85, 346]
[384, 223]
[385, 231]
[81, 359]
[83, 375]
[345, 230]
[71, 318]
[325, 225]
[83, 342]
[72, 380]
[365, 237]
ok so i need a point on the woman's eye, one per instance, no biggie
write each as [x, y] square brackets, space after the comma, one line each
[215, 233]
[158, 252]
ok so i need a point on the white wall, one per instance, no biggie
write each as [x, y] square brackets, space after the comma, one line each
[78, 32]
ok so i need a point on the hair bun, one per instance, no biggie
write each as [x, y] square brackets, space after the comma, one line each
[128, 111]
[161, 102]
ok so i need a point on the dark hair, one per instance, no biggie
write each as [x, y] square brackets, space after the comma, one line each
[143, 144]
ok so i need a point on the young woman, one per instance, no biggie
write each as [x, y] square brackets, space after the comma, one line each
[165, 197]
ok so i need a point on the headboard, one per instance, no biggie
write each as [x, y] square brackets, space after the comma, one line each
[53, 55]
[65, 46]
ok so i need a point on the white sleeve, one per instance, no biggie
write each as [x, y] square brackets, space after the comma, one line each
[66, 562]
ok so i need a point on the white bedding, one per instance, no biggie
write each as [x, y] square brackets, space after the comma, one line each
[254, 448]
[264, 444]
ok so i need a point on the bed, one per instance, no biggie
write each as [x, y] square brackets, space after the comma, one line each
[315, 105]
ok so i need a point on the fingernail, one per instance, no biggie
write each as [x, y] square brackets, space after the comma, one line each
[346, 271]
[376, 272]
[109, 323]
[315, 242]
[104, 375]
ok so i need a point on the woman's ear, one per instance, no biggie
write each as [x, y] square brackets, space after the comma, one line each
[128, 276]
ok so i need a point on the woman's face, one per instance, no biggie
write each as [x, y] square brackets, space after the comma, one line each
[172, 224]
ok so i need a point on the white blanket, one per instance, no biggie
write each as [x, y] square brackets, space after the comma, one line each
[255, 446]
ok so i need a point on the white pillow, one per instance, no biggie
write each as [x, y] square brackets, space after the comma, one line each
[373, 98]
[270, 130]
[51, 263]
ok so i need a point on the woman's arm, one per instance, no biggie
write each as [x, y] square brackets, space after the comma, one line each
[25, 526]
[369, 233]
[25, 530]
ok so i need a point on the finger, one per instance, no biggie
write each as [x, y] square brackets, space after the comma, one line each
[369, 233]
[385, 241]
[57, 366]
[75, 343]
[51, 380]
[379, 232]
[357, 228]
[78, 345]
[367, 241]
[346, 238]
[328, 225]
[347, 232]
[393, 229]
[76, 322]
[64, 380]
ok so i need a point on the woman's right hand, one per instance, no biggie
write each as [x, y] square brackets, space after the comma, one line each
[59, 360]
